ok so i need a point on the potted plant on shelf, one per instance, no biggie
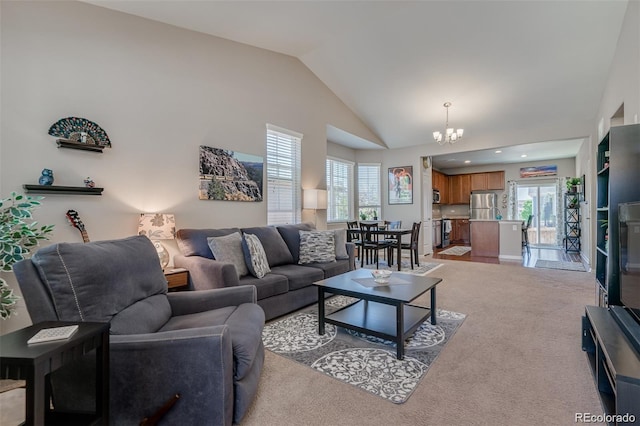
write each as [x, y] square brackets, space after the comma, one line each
[573, 202]
[18, 235]
[572, 184]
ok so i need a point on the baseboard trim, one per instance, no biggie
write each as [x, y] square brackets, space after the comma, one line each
[509, 257]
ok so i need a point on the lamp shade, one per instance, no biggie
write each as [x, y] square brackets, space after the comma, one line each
[315, 199]
[157, 226]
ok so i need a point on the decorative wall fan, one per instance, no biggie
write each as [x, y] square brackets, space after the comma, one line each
[80, 130]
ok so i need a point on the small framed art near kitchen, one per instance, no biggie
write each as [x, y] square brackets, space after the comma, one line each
[401, 185]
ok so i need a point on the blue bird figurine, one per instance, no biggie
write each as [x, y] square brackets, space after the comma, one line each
[46, 178]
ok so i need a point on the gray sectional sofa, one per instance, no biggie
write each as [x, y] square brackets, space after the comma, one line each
[286, 288]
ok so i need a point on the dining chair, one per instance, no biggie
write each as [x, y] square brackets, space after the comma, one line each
[391, 240]
[353, 232]
[370, 243]
[412, 245]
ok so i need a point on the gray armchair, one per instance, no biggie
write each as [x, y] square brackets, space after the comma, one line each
[204, 345]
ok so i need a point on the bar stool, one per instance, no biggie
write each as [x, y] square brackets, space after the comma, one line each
[525, 233]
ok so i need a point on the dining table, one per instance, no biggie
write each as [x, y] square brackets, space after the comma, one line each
[394, 233]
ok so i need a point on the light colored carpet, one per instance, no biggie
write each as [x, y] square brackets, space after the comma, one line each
[12, 407]
[369, 363]
[517, 360]
[456, 250]
[8, 384]
[557, 264]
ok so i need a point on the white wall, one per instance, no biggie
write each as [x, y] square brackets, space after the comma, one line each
[159, 92]
[407, 213]
[623, 87]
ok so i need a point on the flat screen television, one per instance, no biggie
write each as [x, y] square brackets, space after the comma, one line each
[629, 255]
[628, 317]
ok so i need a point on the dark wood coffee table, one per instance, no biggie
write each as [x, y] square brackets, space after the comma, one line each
[374, 313]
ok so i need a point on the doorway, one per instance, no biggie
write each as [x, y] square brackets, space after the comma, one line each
[541, 201]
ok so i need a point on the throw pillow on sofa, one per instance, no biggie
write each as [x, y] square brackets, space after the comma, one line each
[254, 256]
[228, 248]
[317, 247]
[340, 237]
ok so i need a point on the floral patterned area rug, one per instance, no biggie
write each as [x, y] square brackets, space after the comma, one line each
[364, 361]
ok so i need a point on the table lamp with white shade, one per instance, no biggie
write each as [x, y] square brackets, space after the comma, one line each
[315, 199]
[156, 227]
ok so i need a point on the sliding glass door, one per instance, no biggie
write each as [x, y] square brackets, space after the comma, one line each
[539, 200]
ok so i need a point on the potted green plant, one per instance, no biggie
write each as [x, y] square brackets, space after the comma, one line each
[18, 235]
[572, 184]
[573, 202]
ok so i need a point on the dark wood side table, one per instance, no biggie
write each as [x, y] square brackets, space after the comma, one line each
[177, 278]
[32, 363]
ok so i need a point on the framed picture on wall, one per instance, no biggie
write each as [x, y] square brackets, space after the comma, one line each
[227, 175]
[538, 171]
[401, 185]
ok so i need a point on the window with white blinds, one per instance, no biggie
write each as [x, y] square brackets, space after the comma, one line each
[283, 176]
[339, 190]
[369, 191]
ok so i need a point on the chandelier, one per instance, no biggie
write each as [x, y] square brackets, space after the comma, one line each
[450, 136]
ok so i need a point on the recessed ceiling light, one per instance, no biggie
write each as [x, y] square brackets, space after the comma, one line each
[498, 152]
[467, 161]
[523, 155]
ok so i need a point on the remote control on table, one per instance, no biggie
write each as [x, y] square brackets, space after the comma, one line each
[55, 333]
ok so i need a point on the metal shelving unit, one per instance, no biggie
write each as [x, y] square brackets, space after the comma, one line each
[571, 222]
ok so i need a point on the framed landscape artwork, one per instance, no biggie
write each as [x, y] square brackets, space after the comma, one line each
[528, 172]
[401, 185]
[230, 176]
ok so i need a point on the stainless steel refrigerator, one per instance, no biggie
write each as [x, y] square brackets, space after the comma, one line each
[484, 206]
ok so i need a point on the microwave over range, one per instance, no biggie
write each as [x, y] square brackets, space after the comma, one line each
[436, 196]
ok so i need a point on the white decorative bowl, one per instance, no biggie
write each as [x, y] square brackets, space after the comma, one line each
[381, 275]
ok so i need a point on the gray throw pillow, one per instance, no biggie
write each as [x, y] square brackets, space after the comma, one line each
[340, 237]
[317, 247]
[229, 249]
[254, 255]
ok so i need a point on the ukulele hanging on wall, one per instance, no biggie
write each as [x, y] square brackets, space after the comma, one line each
[75, 221]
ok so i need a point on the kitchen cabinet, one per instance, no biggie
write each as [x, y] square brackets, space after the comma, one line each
[460, 232]
[460, 189]
[478, 181]
[440, 181]
[456, 189]
[487, 181]
[495, 180]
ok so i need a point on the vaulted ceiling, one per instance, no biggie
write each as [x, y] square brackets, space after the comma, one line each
[533, 69]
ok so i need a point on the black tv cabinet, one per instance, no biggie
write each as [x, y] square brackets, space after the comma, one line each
[614, 362]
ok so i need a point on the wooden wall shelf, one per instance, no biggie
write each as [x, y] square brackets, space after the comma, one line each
[81, 146]
[69, 190]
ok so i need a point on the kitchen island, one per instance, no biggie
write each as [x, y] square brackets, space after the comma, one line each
[485, 237]
[497, 238]
[511, 239]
